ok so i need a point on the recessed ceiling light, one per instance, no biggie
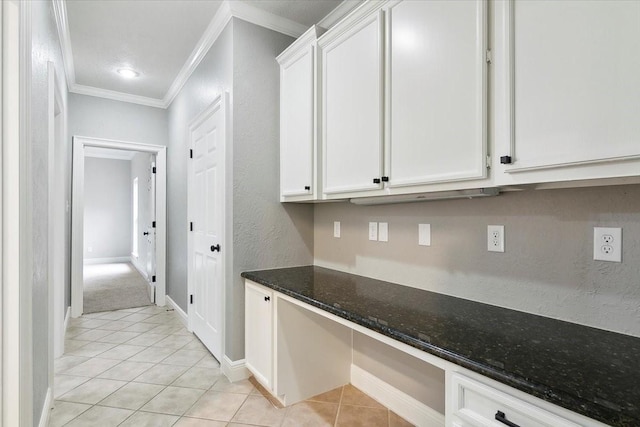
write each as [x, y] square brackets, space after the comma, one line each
[128, 73]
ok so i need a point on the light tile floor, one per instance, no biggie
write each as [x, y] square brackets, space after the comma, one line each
[141, 367]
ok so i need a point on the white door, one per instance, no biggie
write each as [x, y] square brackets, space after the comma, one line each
[207, 211]
[151, 230]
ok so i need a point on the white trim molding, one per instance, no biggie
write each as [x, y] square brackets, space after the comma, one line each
[399, 402]
[111, 260]
[235, 370]
[227, 10]
[342, 10]
[179, 311]
[46, 409]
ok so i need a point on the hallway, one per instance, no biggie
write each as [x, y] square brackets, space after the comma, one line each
[115, 286]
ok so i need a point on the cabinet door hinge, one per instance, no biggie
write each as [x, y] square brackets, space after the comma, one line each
[153, 170]
[190, 153]
[191, 226]
[191, 299]
[488, 56]
[488, 162]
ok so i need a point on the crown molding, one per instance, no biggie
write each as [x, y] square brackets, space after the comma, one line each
[62, 22]
[342, 10]
[227, 10]
[116, 96]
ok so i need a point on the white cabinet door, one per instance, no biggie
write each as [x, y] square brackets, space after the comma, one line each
[436, 91]
[352, 98]
[259, 333]
[576, 90]
[297, 123]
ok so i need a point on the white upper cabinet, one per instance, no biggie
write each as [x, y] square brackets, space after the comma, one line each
[573, 89]
[436, 91]
[352, 104]
[297, 120]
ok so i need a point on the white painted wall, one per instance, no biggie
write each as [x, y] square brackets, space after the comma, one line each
[107, 209]
[140, 170]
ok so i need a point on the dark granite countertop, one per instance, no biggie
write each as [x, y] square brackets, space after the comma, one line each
[592, 372]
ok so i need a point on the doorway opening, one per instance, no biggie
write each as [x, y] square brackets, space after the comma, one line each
[118, 225]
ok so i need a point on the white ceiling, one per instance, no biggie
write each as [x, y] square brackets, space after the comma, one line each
[162, 39]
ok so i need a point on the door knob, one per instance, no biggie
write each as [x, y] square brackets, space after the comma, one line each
[215, 248]
[146, 233]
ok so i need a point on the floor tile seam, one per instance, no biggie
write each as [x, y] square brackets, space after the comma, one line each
[85, 403]
[135, 410]
[71, 389]
[335, 422]
[90, 406]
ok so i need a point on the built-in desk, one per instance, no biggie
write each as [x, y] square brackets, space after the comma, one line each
[486, 353]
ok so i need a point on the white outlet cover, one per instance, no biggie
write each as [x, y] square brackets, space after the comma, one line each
[373, 231]
[383, 231]
[424, 234]
[607, 244]
[336, 228]
[495, 238]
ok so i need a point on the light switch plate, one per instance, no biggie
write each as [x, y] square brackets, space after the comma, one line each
[607, 244]
[424, 234]
[336, 228]
[383, 231]
[373, 231]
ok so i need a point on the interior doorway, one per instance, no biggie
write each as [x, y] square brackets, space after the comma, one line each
[119, 259]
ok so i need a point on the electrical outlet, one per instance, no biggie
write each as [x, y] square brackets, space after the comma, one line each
[607, 244]
[424, 234]
[373, 231]
[336, 229]
[383, 232]
[495, 238]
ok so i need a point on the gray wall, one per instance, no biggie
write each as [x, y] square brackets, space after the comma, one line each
[265, 233]
[140, 169]
[123, 121]
[107, 208]
[45, 49]
[212, 77]
[548, 266]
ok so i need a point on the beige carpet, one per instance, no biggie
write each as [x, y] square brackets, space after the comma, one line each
[113, 287]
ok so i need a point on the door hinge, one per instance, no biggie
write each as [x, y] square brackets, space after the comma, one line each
[153, 170]
[153, 224]
[190, 153]
[153, 279]
[505, 160]
[488, 56]
[191, 226]
[191, 299]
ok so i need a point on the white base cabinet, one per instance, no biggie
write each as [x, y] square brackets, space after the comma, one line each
[259, 333]
[298, 351]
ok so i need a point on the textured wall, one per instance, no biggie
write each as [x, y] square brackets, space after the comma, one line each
[107, 208]
[266, 233]
[45, 49]
[212, 77]
[548, 266]
[104, 118]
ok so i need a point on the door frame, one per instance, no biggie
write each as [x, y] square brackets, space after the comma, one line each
[222, 102]
[77, 219]
[16, 332]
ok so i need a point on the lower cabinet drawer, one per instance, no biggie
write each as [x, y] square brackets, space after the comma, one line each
[478, 405]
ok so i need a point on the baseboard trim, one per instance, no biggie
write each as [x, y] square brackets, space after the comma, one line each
[90, 261]
[46, 409]
[235, 370]
[399, 402]
[183, 316]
